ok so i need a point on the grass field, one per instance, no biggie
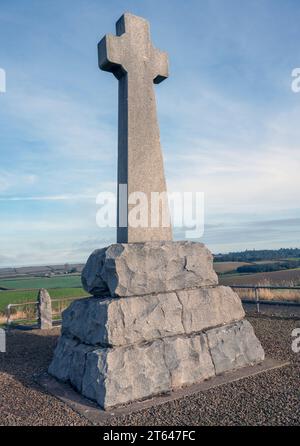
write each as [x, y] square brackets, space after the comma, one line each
[64, 281]
[10, 297]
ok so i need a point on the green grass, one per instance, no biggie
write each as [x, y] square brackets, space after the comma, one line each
[15, 297]
[41, 282]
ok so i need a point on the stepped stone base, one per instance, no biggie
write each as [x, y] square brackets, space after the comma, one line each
[119, 375]
[115, 350]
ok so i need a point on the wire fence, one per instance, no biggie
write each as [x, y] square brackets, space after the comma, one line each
[279, 301]
[24, 315]
[258, 299]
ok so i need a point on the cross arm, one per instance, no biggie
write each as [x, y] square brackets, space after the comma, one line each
[110, 50]
[161, 66]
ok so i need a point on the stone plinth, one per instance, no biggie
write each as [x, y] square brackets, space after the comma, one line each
[115, 350]
[135, 269]
[162, 323]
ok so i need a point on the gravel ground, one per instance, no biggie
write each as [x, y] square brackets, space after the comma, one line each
[272, 398]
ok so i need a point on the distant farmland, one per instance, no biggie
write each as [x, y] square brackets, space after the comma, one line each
[25, 289]
[226, 267]
[63, 281]
[290, 277]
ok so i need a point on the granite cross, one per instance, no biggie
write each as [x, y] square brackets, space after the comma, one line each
[131, 57]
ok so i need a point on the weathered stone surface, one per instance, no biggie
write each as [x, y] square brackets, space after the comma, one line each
[234, 346]
[208, 307]
[131, 57]
[44, 309]
[62, 359]
[77, 364]
[188, 360]
[143, 268]
[118, 375]
[122, 374]
[113, 322]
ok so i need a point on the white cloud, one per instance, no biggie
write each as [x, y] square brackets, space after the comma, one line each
[66, 197]
[244, 156]
[70, 128]
[261, 180]
[33, 227]
[9, 178]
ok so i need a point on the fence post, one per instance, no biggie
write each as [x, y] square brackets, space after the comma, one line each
[44, 310]
[257, 299]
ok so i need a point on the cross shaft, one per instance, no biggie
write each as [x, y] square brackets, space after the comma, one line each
[131, 57]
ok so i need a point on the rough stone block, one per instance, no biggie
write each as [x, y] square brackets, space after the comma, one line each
[62, 359]
[77, 365]
[115, 322]
[123, 374]
[136, 269]
[188, 360]
[208, 307]
[117, 375]
[234, 346]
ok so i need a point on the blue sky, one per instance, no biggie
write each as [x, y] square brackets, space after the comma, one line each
[229, 121]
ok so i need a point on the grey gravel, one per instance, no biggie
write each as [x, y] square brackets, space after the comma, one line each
[271, 398]
[22, 401]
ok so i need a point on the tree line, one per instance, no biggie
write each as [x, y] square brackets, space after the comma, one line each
[259, 255]
[268, 267]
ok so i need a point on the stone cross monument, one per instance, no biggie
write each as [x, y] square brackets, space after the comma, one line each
[157, 320]
[131, 57]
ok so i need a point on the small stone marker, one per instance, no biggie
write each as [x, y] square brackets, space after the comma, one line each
[131, 57]
[44, 310]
